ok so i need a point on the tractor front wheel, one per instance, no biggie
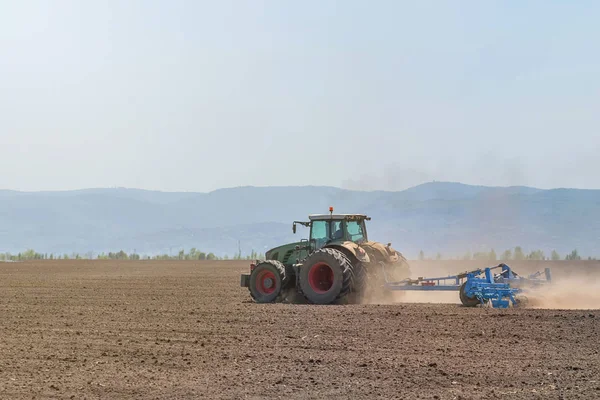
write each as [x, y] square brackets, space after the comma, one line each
[325, 276]
[267, 281]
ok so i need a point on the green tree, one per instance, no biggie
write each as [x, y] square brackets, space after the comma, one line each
[536, 255]
[555, 256]
[121, 255]
[574, 255]
[492, 255]
[196, 254]
[507, 255]
[467, 256]
[210, 256]
[421, 255]
[519, 255]
[28, 254]
[438, 256]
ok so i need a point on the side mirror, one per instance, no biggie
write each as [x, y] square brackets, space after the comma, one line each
[294, 227]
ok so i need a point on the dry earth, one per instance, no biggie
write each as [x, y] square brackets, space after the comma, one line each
[166, 330]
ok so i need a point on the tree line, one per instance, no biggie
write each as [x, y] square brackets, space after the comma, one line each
[508, 255]
[192, 254]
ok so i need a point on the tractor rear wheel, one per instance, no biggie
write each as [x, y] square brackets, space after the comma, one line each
[466, 300]
[325, 276]
[268, 281]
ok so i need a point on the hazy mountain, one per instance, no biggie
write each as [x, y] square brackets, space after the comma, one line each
[447, 217]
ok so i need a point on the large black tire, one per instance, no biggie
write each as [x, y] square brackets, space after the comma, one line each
[268, 282]
[325, 276]
[360, 278]
[466, 300]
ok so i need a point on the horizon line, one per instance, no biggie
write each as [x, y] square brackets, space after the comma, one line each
[285, 186]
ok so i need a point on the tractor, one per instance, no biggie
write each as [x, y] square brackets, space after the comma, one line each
[337, 264]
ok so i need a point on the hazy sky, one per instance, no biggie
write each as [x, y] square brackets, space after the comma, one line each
[176, 95]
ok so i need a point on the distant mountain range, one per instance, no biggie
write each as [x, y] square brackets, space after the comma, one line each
[450, 218]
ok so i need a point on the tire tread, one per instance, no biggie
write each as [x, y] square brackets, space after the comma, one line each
[347, 271]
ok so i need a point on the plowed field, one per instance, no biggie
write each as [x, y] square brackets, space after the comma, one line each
[179, 330]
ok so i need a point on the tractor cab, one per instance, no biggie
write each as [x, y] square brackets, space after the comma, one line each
[335, 228]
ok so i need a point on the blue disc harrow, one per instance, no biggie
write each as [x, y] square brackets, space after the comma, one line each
[480, 286]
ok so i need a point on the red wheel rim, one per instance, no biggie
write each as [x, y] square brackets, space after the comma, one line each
[320, 277]
[266, 282]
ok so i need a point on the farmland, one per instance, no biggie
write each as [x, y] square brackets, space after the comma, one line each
[184, 329]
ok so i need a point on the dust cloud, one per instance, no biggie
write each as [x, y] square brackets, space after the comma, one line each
[573, 287]
[567, 294]
[573, 293]
[384, 296]
[570, 294]
[377, 294]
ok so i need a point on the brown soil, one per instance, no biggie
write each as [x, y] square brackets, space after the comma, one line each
[165, 330]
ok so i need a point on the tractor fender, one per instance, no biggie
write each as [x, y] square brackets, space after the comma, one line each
[354, 249]
[382, 252]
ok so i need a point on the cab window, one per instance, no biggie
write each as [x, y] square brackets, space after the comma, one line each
[355, 231]
[319, 230]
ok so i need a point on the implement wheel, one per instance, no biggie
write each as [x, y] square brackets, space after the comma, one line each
[267, 281]
[325, 276]
[466, 300]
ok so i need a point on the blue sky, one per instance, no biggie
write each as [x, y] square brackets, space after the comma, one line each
[176, 95]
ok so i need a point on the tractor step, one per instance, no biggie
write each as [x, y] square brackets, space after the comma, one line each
[245, 280]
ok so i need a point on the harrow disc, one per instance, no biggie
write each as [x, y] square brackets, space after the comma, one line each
[466, 300]
[521, 301]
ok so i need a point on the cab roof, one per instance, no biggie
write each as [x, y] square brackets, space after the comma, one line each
[320, 217]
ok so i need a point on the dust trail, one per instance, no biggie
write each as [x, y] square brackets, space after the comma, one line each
[431, 297]
[395, 297]
[380, 295]
[567, 294]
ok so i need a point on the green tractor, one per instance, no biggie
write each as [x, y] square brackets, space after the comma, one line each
[336, 264]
